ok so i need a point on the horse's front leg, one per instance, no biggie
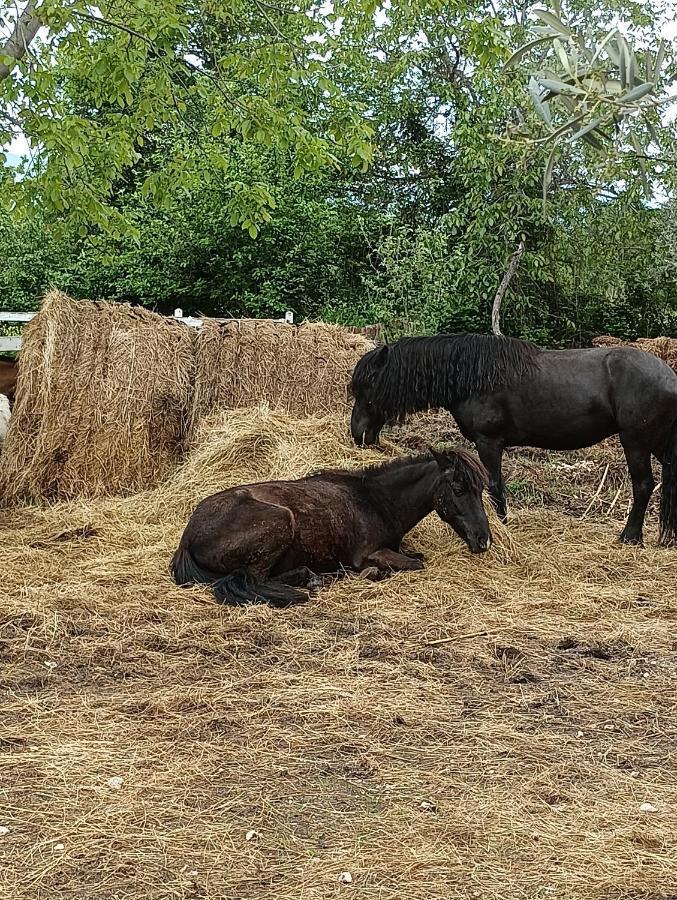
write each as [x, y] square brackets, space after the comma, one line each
[391, 560]
[491, 454]
[301, 577]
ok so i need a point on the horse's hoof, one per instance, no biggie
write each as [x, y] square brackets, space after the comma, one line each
[371, 573]
[631, 540]
[314, 583]
[416, 565]
[419, 556]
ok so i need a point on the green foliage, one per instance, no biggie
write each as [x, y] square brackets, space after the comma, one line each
[588, 84]
[245, 159]
[110, 79]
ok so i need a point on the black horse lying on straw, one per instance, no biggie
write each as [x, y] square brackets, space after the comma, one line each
[262, 542]
[505, 392]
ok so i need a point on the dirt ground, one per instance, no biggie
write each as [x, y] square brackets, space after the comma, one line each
[501, 726]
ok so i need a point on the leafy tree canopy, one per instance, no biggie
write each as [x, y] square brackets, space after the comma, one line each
[90, 85]
[359, 162]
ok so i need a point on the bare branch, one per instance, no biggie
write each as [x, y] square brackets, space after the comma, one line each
[503, 287]
[16, 46]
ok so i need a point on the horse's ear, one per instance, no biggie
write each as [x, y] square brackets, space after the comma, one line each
[443, 460]
[381, 356]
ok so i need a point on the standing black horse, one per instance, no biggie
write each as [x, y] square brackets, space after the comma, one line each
[505, 392]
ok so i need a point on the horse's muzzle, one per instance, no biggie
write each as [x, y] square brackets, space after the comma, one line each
[365, 437]
[480, 545]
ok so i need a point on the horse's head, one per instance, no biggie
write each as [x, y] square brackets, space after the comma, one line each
[458, 497]
[368, 418]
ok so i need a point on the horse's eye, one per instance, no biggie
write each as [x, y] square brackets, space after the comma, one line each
[458, 490]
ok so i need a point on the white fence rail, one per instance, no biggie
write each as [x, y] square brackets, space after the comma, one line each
[14, 342]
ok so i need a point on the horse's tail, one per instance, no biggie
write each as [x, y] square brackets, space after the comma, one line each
[668, 513]
[237, 588]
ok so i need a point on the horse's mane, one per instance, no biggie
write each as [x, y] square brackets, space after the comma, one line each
[421, 373]
[467, 467]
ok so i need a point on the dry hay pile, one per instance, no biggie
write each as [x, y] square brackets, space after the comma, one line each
[109, 396]
[664, 348]
[303, 370]
[102, 401]
[491, 727]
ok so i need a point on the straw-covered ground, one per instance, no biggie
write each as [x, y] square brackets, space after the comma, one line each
[500, 726]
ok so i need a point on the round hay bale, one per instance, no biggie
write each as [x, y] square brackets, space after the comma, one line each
[103, 399]
[659, 346]
[109, 395]
[664, 348]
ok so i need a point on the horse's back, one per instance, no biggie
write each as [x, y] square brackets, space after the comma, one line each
[640, 367]
[314, 521]
[577, 398]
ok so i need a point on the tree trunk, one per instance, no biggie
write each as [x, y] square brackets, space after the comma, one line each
[16, 45]
[503, 287]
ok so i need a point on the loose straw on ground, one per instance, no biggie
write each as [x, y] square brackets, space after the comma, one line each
[146, 731]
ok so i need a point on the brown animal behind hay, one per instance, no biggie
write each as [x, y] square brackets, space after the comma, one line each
[8, 376]
[102, 401]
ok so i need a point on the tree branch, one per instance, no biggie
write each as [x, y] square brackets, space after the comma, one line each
[119, 26]
[503, 287]
[16, 45]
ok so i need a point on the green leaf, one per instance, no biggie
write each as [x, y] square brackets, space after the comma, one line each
[592, 140]
[550, 19]
[542, 108]
[613, 53]
[524, 49]
[253, 230]
[583, 131]
[637, 92]
[547, 177]
[563, 57]
[560, 87]
[660, 55]
[627, 61]
[639, 150]
[653, 134]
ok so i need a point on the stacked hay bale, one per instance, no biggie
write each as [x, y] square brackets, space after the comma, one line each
[664, 348]
[109, 396]
[303, 370]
